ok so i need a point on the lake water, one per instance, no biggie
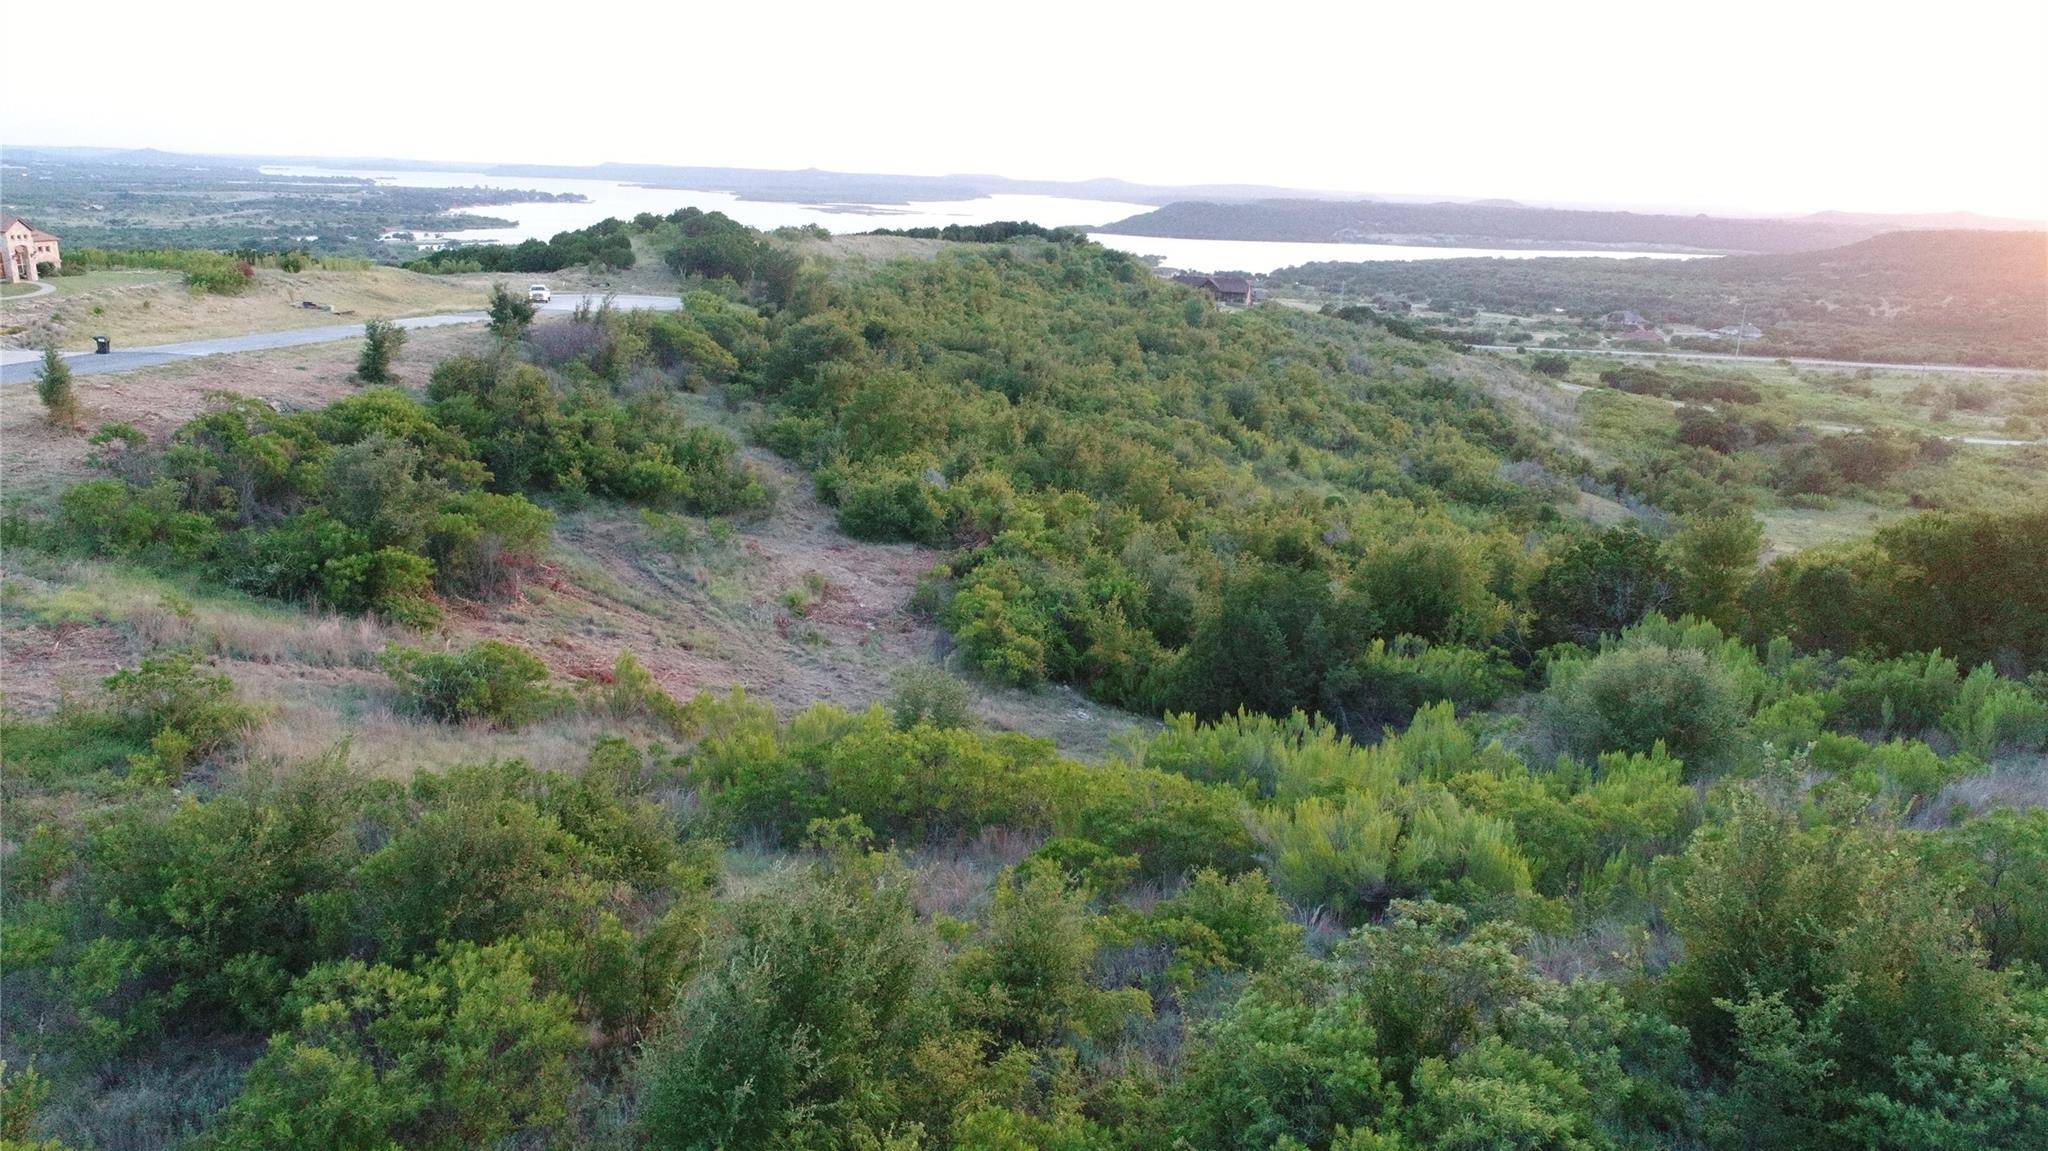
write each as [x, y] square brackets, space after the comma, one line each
[1261, 256]
[605, 198]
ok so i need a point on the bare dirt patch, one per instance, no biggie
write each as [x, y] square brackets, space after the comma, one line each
[706, 614]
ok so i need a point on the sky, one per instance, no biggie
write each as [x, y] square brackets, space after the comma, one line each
[1789, 106]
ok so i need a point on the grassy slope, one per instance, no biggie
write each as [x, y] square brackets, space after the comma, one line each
[703, 610]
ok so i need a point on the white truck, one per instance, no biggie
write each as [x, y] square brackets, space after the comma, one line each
[538, 293]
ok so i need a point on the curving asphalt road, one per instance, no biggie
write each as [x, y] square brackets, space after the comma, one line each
[18, 370]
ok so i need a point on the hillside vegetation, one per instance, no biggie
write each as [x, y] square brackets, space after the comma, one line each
[1467, 824]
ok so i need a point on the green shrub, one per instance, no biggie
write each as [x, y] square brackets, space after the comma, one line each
[1089, 864]
[492, 681]
[1991, 716]
[186, 715]
[802, 1025]
[21, 1096]
[458, 1053]
[1222, 923]
[1388, 682]
[1357, 854]
[382, 340]
[2000, 862]
[929, 695]
[1639, 698]
[485, 544]
[1026, 978]
[511, 312]
[55, 390]
[1832, 913]
[999, 631]
[1597, 585]
[892, 507]
[202, 910]
[1905, 696]
[392, 582]
[108, 517]
[476, 861]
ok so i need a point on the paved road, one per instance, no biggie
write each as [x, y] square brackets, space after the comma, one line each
[24, 366]
[1724, 357]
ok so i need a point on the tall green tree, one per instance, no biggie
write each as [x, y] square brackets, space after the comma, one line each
[1712, 559]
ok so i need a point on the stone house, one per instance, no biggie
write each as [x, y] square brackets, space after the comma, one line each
[26, 247]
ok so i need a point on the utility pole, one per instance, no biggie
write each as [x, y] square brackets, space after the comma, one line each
[1741, 326]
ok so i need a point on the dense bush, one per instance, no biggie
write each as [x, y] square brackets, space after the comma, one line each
[607, 243]
[456, 1053]
[805, 1025]
[214, 272]
[1669, 902]
[1599, 584]
[378, 502]
[1642, 698]
[492, 681]
[712, 245]
[1968, 585]
[1130, 499]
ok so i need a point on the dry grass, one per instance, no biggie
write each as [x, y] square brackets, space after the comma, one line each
[2019, 782]
[159, 309]
[1788, 530]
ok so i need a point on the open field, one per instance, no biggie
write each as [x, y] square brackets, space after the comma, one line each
[155, 308]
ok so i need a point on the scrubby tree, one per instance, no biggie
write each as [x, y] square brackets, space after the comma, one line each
[1598, 585]
[54, 388]
[1712, 560]
[511, 312]
[382, 340]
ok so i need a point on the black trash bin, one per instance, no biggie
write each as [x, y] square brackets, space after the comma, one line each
[100, 347]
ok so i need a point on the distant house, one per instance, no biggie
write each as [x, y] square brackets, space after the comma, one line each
[1627, 319]
[1222, 289]
[1637, 336]
[26, 248]
[1740, 332]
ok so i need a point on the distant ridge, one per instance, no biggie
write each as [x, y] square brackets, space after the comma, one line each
[1484, 224]
[817, 185]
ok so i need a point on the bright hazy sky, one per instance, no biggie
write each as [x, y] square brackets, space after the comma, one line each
[1790, 105]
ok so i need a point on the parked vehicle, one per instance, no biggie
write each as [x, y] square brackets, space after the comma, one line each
[539, 293]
